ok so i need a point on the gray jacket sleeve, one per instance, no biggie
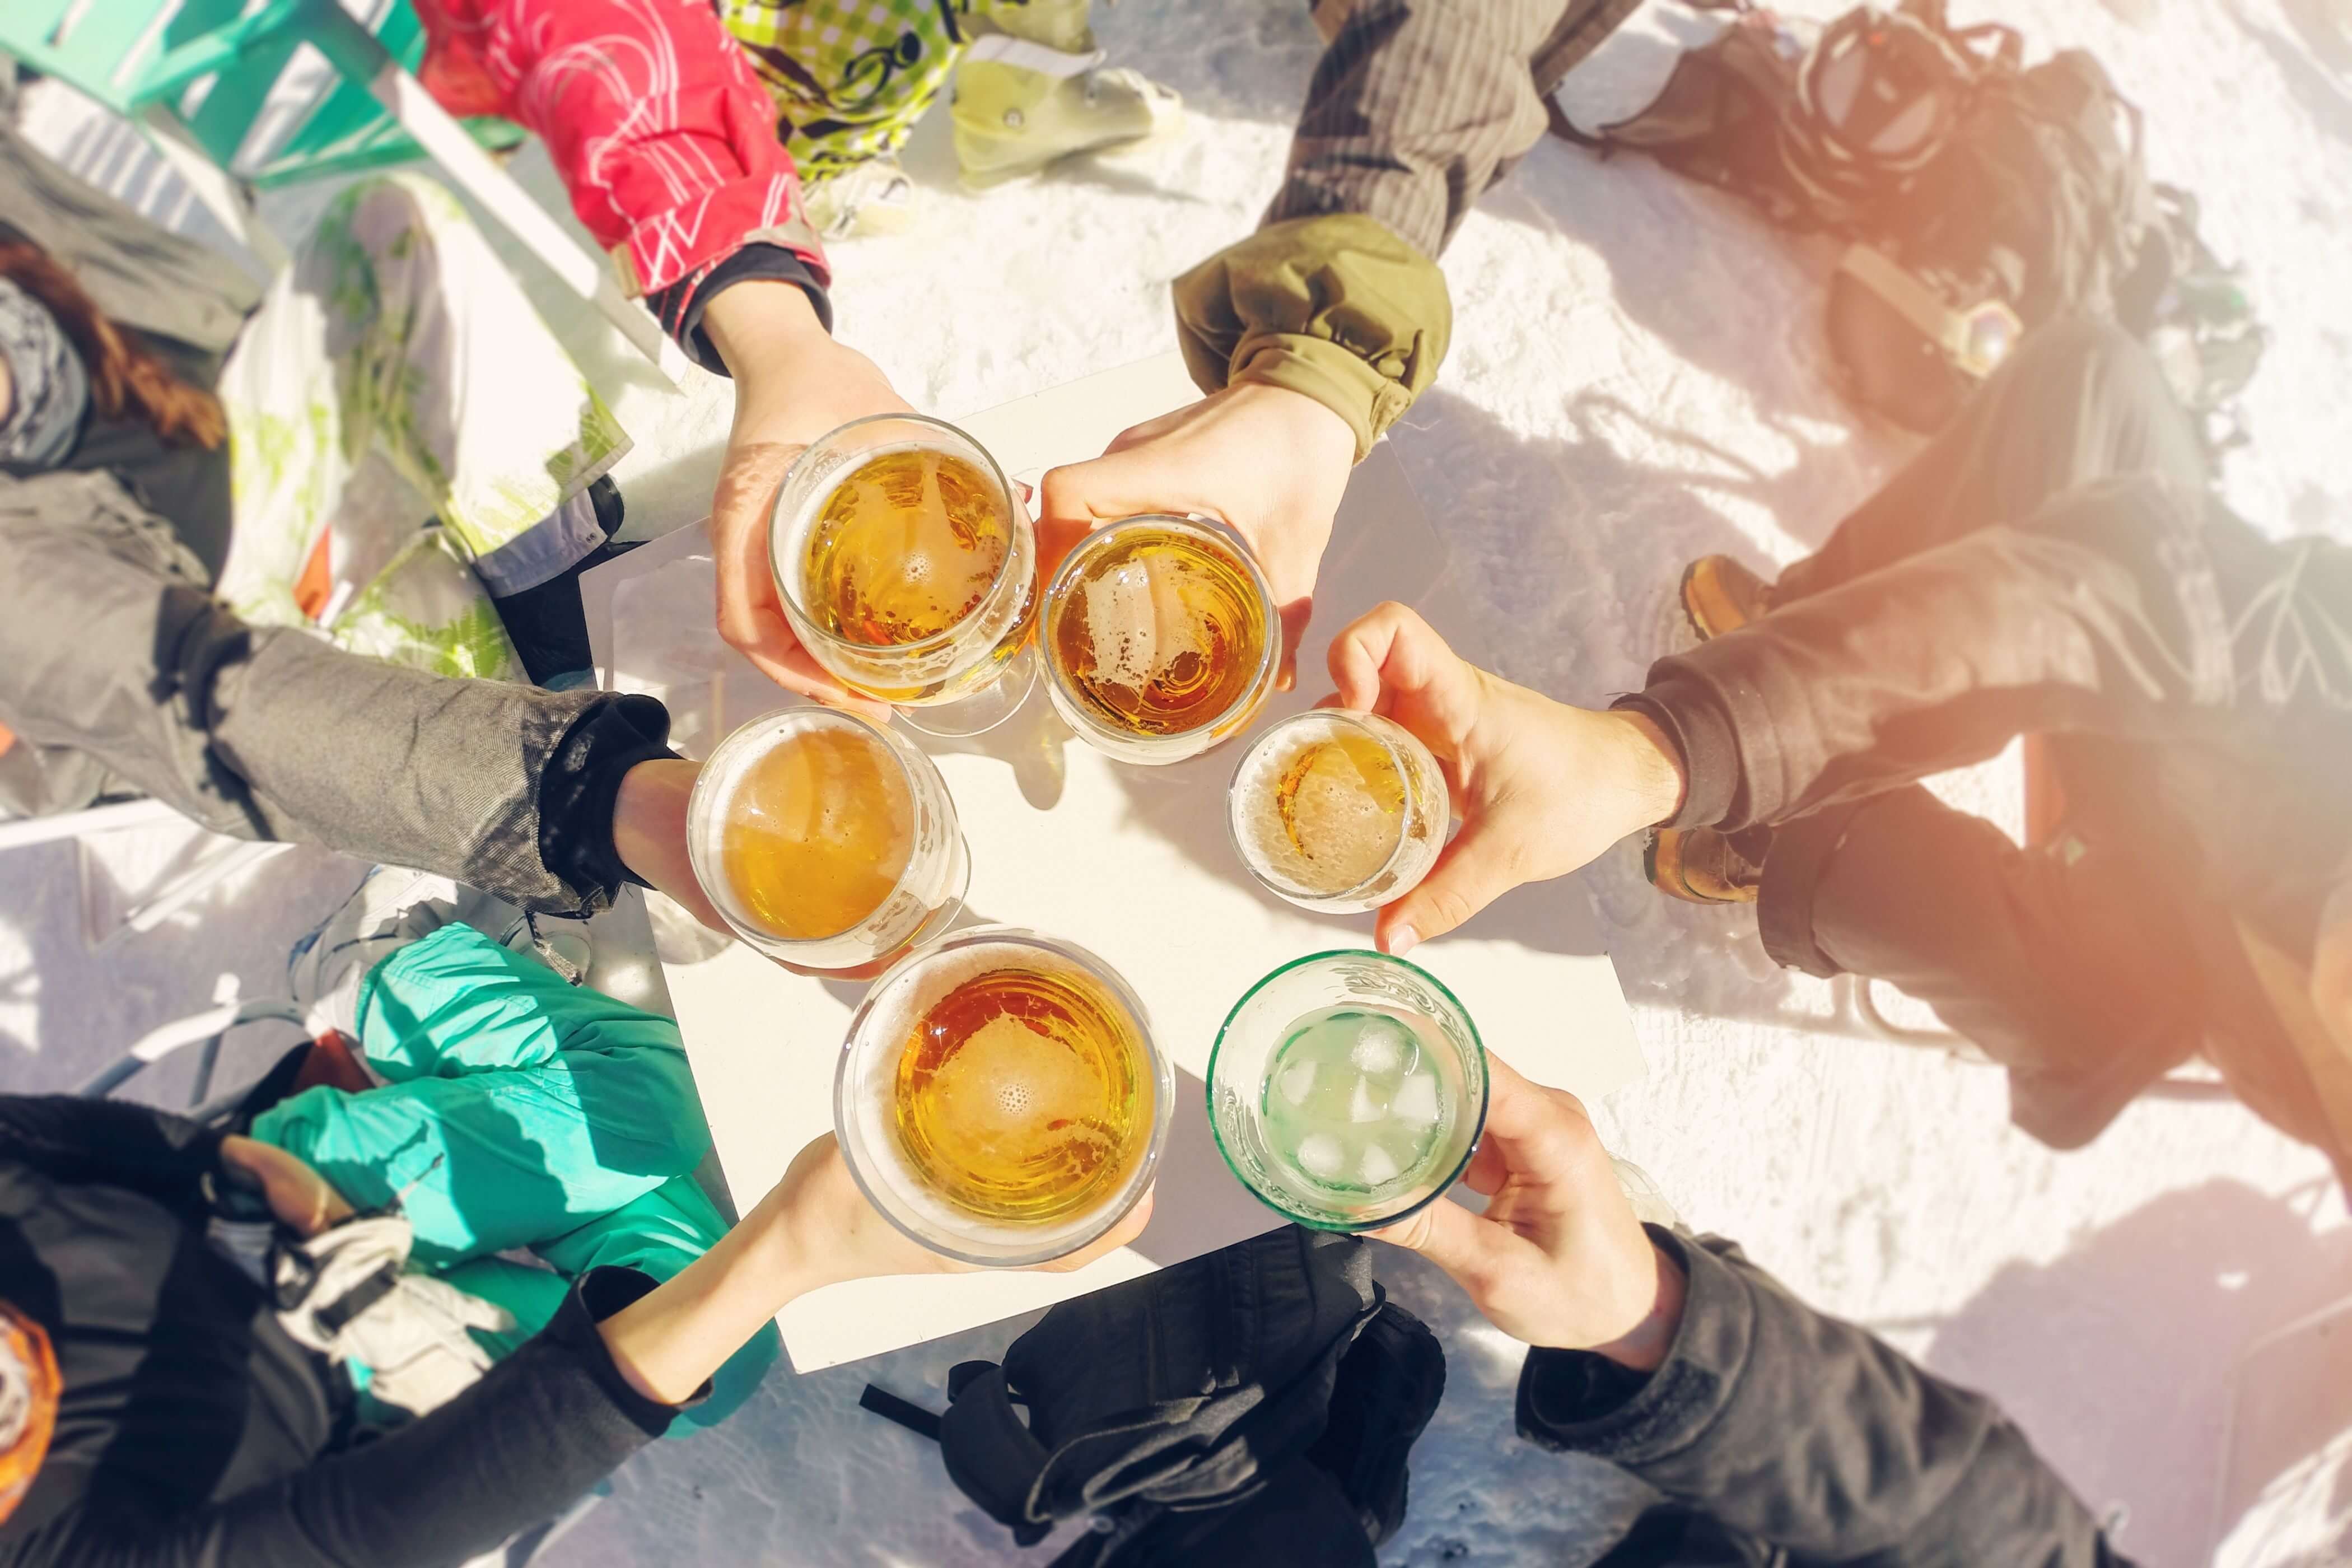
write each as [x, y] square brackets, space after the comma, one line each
[111, 648]
[1810, 1435]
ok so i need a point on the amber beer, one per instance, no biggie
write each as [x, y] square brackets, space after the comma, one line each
[825, 840]
[1161, 636]
[1000, 1098]
[1019, 1091]
[904, 547]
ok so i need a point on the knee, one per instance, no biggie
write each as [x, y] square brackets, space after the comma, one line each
[2093, 366]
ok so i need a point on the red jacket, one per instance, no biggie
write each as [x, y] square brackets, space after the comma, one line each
[663, 136]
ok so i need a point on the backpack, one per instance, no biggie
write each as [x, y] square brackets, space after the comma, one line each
[2006, 195]
[1255, 1404]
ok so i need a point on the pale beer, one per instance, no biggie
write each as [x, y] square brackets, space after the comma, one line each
[1337, 811]
[904, 547]
[825, 840]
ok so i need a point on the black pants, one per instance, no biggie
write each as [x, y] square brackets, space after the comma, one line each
[2049, 564]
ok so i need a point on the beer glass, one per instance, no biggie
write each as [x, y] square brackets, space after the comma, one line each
[826, 841]
[1161, 638]
[908, 568]
[1000, 1098]
[1338, 812]
[1347, 1090]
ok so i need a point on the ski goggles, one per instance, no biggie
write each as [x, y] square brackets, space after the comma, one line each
[1973, 339]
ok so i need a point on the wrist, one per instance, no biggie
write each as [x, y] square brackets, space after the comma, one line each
[1310, 431]
[1654, 774]
[1645, 1346]
[762, 325]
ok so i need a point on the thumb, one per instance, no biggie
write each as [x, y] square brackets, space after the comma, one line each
[1482, 864]
[1474, 1252]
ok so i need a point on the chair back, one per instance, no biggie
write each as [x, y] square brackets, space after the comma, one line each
[246, 87]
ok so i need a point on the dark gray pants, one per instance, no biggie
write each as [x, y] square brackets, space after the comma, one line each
[2047, 564]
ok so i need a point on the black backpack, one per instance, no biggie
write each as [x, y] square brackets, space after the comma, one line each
[1993, 186]
[1253, 1406]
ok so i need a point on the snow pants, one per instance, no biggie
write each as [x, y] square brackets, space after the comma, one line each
[519, 1113]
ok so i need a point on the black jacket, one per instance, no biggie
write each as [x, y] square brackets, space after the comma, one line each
[194, 1432]
[1780, 1437]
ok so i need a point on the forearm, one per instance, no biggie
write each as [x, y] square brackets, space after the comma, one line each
[1811, 1435]
[663, 137]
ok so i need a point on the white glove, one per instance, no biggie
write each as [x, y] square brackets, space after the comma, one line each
[362, 1304]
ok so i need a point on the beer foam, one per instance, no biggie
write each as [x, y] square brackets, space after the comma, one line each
[1351, 836]
[1138, 621]
[873, 1067]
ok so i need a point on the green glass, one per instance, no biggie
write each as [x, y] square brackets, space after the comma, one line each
[1346, 1090]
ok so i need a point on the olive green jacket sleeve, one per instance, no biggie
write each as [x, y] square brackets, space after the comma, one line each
[1338, 307]
[1417, 109]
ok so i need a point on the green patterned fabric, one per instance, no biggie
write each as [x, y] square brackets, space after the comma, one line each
[850, 77]
[397, 334]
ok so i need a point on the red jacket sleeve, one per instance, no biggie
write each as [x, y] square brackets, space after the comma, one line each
[664, 138]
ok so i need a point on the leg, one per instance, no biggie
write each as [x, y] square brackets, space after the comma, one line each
[2079, 401]
[2064, 965]
[2099, 615]
[397, 324]
[516, 1108]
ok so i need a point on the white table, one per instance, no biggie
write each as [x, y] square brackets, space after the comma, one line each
[1130, 862]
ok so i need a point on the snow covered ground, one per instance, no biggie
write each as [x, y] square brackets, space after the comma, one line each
[1636, 378]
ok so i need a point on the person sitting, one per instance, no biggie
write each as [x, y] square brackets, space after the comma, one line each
[394, 329]
[158, 1403]
[2051, 566]
[1770, 1433]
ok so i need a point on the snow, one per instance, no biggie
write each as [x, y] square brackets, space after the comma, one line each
[1636, 377]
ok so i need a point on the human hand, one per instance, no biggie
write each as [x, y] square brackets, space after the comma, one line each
[304, 1201]
[1558, 1259]
[649, 833]
[1541, 787]
[793, 383]
[1271, 462]
[818, 1204]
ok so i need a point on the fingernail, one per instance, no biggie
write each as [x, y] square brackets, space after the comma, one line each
[1402, 941]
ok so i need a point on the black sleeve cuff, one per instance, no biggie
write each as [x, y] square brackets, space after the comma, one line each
[597, 1296]
[1576, 1401]
[680, 306]
[1701, 731]
[581, 782]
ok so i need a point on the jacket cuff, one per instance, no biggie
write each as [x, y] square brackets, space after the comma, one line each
[1686, 709]
[1569, 1404]
[595, 1297]
[1337, 307]
[583, 779]
[680, 306]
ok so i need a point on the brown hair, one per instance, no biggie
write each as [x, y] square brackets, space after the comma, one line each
[125, 375]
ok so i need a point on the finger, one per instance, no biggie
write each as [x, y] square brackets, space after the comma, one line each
[1485, 861]
[1387, 651]
[1295, 616]
[1110, 1241]
[1541, 1137]
[1474, 1252]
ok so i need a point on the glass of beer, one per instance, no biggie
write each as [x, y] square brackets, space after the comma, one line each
[909, 569]
[1161, 638]
[1000, 1098]
[1346, 1090]
[1338, 812]
[826, 841]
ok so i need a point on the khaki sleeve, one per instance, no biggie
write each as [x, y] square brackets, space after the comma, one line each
[1338, 307]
